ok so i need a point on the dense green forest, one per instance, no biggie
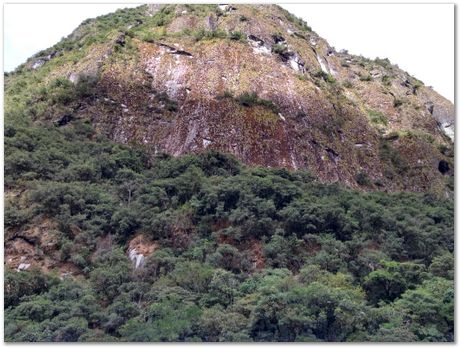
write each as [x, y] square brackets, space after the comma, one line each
[332, 264]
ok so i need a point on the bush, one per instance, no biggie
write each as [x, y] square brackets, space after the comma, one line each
[325, 76]
[149, 37]
[385, 62]
[248, 99]
[203, 34]
[66, 250]
[362, 179]
[237, 36]
[251, 99]
[299, 22]
[20, 284]
[280, 49]
[365, 77]
[377, 117]
[112, 269]
[386, 80]
[389, 154]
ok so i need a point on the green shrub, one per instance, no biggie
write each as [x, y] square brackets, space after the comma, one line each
[365, 77]
[280, 49]
[377, 117]
[251, 99]
[386, 79]
[363, 179]
[79, 261]
[237, 36]
[325, 76]
[200, 34]
[149, 37]
[66, 250]
[248, 99]
[385, 62]
[299, 22]
[20, 284]
[203, 34]
[392, 156]
[416, 85]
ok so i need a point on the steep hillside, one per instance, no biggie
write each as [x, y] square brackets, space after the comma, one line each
[253, 81]
[215, 173]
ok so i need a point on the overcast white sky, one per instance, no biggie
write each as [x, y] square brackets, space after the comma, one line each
[417, 37]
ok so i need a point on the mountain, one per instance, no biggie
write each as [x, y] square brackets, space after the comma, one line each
[253, 81]
[219, 173]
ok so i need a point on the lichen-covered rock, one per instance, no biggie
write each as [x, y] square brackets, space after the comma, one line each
[171, 79]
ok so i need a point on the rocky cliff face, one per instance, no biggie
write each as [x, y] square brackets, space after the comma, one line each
[251, 80]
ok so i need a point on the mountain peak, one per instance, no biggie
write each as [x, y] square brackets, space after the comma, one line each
[253, 81]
